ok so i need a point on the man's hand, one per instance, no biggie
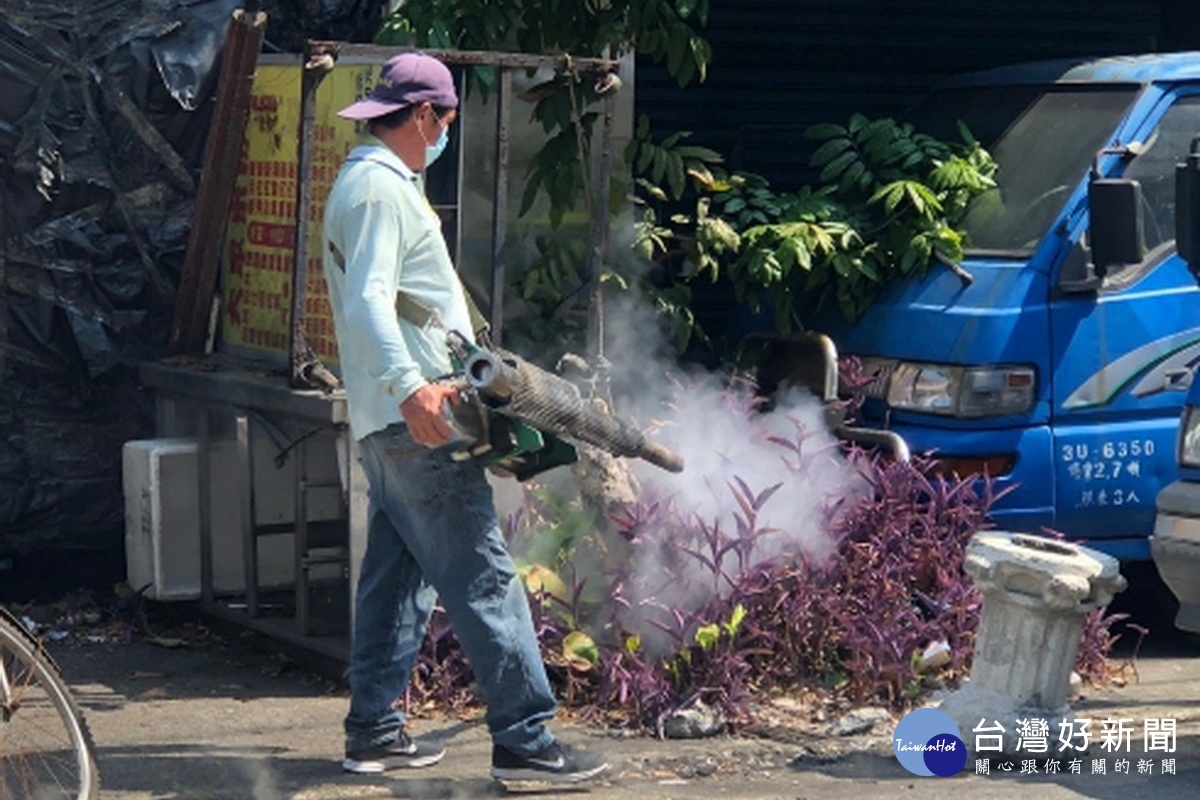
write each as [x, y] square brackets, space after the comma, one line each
[422, 412]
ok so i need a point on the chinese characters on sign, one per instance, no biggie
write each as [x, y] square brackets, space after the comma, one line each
[1115, 737]
[1098, 469]
[261, 242]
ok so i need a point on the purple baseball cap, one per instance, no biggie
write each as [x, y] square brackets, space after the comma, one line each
[405, 80]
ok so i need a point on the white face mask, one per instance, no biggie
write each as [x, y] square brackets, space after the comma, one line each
[433, 151]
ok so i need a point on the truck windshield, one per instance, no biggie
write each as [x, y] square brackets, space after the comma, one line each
[1043, 139]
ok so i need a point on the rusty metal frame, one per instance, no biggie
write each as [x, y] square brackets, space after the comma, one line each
[316, 66]
[198, 282]
[599, 238]
[500, 205]
[320, 55]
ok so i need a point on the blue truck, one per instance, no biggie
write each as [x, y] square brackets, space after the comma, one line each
[1062, 368]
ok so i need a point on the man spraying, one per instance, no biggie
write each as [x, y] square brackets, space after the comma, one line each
[433, 528]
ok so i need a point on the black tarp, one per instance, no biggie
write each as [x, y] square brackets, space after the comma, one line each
[102, 119]
[104, 107]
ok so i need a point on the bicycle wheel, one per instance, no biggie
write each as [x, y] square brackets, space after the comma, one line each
[46, 750]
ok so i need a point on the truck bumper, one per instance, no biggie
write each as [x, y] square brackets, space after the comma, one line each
[1029, 502]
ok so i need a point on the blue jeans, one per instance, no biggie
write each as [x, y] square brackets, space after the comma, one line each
[433, 532]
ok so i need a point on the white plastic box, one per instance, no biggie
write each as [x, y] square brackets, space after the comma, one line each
[162, 523]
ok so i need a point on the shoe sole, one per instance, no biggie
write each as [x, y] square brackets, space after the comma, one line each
[376, 767]
[545, 776]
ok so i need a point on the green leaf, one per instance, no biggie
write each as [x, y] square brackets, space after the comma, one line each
[922, 198]
[654, 191]
[541, 579]
[702, 55]
[913, 160]
[700, 153]
[486, 76]
[579, 650]
[631, 150]
[909, 260]
[677, 45]
[966, 134]
[803, 256]
[686, 72]
[660, 165]
[707, 636]
[834, 168]
[530, 284]
[735, 619]
[643, 127]
[701, 174]
[825, 131]
[673, 139]
[675, 175]
[530, 194]
[826, 152]
[645, 156]
[867, 267]
[852, 174]
[785, 256]
[891, 194]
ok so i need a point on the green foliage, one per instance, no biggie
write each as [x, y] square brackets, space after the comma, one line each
[555, 266]
[707, 636]
[665, 30]
[888, 203]
[557, 523]
[661, 29]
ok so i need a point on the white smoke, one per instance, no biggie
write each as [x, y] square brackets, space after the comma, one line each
[785, 457]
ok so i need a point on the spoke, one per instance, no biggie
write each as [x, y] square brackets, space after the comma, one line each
[44, 752]
[5, 690]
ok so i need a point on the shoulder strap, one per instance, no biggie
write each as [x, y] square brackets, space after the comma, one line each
[408, 308]
[413, 311]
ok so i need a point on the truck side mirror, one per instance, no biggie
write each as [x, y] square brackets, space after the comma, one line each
[1187, 209]
[1117, 223]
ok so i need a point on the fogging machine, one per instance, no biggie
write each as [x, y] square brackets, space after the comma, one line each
[517, 416]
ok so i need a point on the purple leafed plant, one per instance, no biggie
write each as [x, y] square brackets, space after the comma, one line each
[677, 605]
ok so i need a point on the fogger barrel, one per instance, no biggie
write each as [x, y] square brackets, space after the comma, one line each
[555, 405]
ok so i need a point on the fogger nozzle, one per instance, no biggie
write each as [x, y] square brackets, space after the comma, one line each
[555, 405]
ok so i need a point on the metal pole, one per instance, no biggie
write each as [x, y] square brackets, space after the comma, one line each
[245, 459]
[316, 67]
[300, 544]
[376, 53]
[204, 497]
[595, 321]
[500, 204]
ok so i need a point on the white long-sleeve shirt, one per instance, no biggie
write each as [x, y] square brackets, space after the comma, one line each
[391, 240]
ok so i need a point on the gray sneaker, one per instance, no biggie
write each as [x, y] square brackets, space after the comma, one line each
[555, 763]
[403, 753]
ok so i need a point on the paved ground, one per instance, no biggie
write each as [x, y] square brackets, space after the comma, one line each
[231, 722]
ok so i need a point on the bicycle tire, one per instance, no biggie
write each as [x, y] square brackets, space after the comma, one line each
[46, 749]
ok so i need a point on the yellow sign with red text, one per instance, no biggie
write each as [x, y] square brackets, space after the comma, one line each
[261, 239]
